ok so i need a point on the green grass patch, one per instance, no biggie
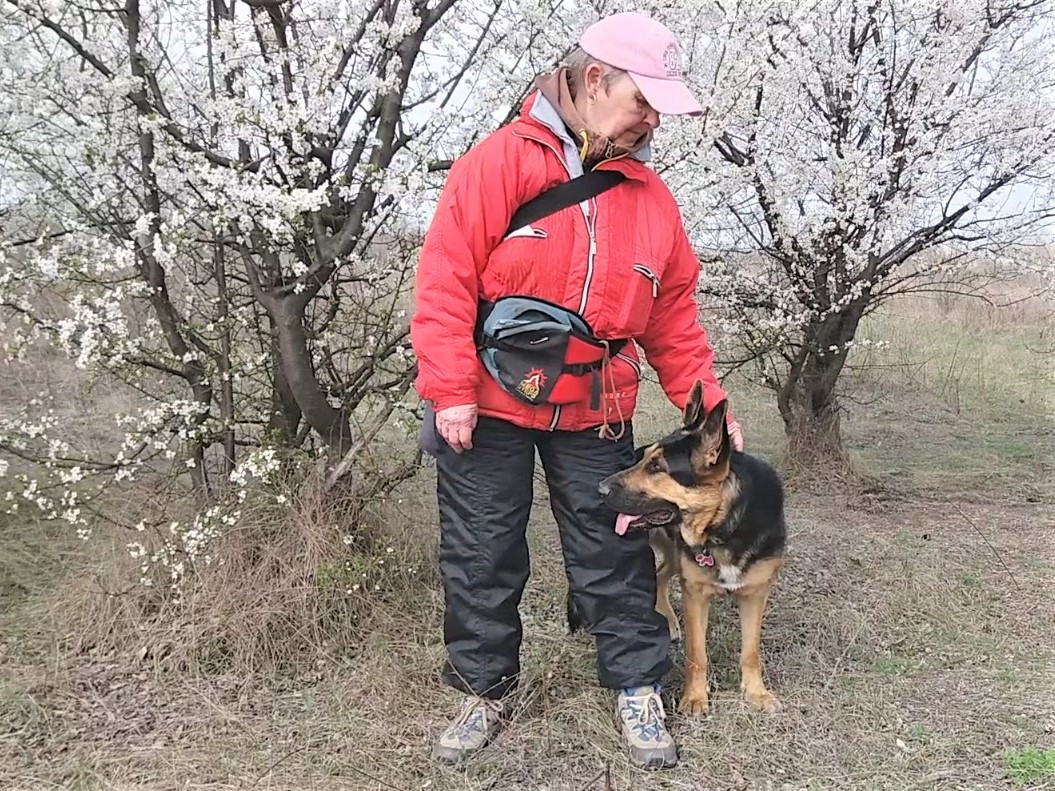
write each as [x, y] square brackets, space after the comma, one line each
[942, 395]
[1030, 764]
[994, 370]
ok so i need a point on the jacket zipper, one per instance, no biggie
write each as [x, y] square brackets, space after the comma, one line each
[588, 216]
[591, 230]
[644, 270]
[556, 418]
[556, 407]
[631, 362]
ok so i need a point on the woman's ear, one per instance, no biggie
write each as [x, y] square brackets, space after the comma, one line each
[592, 80]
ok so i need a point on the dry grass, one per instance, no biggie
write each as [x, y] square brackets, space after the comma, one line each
[285, 588]
[912, 637]
[912, 659]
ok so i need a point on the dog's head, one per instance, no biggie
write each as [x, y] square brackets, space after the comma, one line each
[679, 480]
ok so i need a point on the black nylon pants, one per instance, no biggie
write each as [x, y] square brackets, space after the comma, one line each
[484, 497]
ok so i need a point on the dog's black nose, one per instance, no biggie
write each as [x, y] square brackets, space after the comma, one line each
[604, 487]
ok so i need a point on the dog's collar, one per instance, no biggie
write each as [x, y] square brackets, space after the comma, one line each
[702, 555]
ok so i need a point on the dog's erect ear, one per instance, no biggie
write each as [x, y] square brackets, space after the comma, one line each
[693, 415]
[713, 438]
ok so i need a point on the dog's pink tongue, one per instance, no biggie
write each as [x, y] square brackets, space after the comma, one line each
[623, 522]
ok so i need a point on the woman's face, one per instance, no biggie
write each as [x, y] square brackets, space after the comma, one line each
[618, 111]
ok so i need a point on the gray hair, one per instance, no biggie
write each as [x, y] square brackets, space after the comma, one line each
[577, 61]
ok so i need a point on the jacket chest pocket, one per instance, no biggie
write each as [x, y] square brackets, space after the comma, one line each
[640, 285]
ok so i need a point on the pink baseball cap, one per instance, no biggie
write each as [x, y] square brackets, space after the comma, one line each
[649, 53]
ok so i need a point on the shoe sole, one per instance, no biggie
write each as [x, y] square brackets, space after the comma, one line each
[655, 761]
[452, 756]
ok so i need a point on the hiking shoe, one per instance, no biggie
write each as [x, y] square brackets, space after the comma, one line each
[475, 724]
[641, 720]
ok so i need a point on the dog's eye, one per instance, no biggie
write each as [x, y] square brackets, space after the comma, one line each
[653, 467]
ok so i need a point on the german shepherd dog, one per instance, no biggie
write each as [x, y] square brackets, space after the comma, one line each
[716, 517]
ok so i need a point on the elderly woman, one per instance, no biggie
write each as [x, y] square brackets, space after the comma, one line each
[589, 284]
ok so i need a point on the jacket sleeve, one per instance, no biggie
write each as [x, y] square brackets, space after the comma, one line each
[674, 342]
[474, 208]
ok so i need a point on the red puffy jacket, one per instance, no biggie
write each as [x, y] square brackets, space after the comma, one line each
[625, 263]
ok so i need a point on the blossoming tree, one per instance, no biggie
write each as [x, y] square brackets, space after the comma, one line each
[241, 179]
[221, 201]
[857, 150]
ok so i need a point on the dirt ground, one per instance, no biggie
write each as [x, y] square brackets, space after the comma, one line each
[911, 639]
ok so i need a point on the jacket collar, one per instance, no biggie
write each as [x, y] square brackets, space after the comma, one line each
[537, 111]
[546, 114]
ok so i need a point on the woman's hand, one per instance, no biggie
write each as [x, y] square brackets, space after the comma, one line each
[736, 434]
[455, 424]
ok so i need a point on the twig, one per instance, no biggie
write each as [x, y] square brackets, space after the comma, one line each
[277, 761]
[605, 775]
[346, 463]
[842, 657]
[378, 780]
[986, 540]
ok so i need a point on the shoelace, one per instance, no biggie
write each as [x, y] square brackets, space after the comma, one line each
[646, 715]
[652, 710]
[465, 721]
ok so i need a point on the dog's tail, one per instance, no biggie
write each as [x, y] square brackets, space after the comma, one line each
[575, 619]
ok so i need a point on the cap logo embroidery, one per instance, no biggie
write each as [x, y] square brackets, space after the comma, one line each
[672, 61]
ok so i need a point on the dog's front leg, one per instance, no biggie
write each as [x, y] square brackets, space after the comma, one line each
[696, 599]
[752, 602]
[669, 562]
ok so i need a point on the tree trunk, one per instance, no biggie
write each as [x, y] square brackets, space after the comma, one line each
[152, 271]
[330, 423]
[223, 307]
[809, 400]
[812, 419]
[284, 420]
[223, 302]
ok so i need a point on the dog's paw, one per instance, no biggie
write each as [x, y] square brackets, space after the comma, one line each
[764, 701]
[695, 704]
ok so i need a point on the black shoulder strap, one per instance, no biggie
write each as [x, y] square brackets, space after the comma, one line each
[565, 194]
